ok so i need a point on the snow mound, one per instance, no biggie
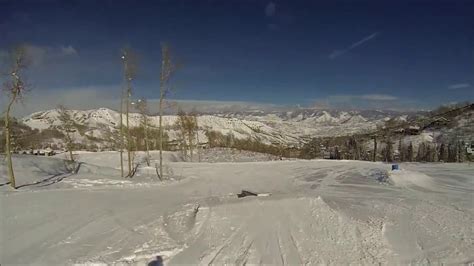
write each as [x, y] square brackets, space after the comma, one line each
[413, 180]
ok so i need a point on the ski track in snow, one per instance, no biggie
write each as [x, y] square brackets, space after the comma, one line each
[319, 212]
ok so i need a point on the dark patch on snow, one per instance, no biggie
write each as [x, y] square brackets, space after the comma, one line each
[314, 177]
[379, 175]
[246, 193]
[156, 262]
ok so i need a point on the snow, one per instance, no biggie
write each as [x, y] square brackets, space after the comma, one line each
[310, 212]
[269, 128]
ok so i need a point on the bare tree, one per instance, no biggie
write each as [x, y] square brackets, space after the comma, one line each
[401, 154]
[68, 127]
[142, 107]
[15, 90]
[198, 150]
[187, 130]
[112, 138]
[122, 99]
[353, 147]
[182, 134]
[130, 70]
[388, 150]
[191, 130]
[168, 67]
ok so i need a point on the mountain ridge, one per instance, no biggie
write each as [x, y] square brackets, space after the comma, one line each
[272, 127]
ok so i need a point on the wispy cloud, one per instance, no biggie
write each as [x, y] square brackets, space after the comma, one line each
[338, 53]
[459, 86]
[68, 50]
[378, 97]
[36, 54]
[40, 54]
[92, 97]
[270, 9]
[368, 102]
[366, 97]
[78, 97]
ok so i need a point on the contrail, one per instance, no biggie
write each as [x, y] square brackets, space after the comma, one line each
[354, 45]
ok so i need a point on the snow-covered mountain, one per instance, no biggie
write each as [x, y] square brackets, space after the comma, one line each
[289, 128]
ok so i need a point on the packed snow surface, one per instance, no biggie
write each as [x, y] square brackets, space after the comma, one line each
[318, 211]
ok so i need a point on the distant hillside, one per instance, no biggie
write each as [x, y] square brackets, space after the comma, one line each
[288, 128]
[429, 133]
[279, 128]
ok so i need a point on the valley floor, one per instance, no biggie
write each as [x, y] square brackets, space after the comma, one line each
[318, 211]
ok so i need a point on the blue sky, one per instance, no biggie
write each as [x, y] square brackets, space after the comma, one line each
[354, 54]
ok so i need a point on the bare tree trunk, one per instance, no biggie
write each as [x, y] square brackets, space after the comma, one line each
[167, 69]
[161, 132]
[67, 125]
[8, 151]
[69, 140]
[129, 142]
[129, 74]
[146, 141]
[70, 148]
[191, 145]
[17, 90]
[121, 133]
[197, 146]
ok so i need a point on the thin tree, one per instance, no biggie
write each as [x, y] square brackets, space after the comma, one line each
[121, 142]
[198, 151]
[187, 132]
[182, 133]
[130, 70]
[191, 129]
[68, 127]
[168, 67]
[142, 107]
[15, 89]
